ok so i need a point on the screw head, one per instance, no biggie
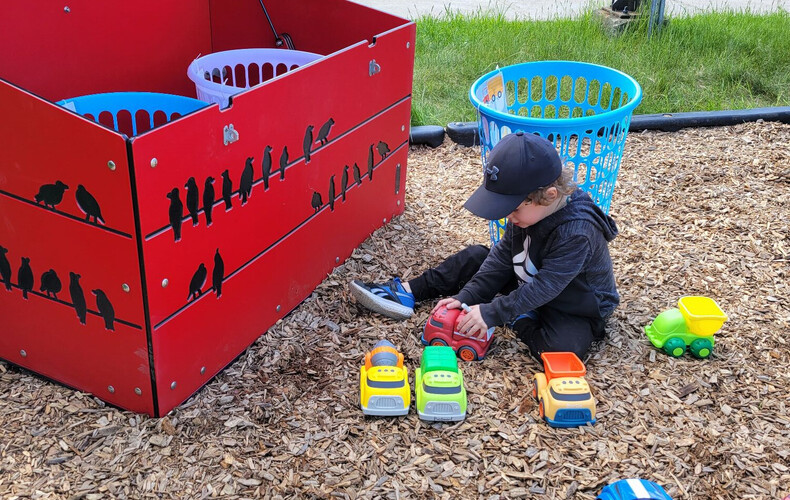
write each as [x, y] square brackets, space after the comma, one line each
[173, 385]
[202, 370]
[402, 128]
[398, 202]
[165, 282]
[337, 260]
[125, 288]
[408, 44]
[66, 9]
[279, 307]
[23, 353]
[154, 162]
[137, 391]
[111, 389]
[111, 165]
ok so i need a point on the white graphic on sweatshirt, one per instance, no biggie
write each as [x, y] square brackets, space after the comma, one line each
[522, 264]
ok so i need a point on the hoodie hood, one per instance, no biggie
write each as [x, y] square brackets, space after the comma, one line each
[579, 207]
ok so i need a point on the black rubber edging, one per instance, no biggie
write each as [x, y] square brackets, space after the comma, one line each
[465, 133]
[430, 135]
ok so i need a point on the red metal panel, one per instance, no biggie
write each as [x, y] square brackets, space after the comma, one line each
[47, 326]
[268, 215]
[320, 26]
[46, 337]
[66, 49]
[195, 345]
[41, 143]
[276, 113]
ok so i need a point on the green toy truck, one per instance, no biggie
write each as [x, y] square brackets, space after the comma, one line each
[691, 325]
[439, 386]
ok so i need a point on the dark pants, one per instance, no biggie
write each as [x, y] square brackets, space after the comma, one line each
[552, 330]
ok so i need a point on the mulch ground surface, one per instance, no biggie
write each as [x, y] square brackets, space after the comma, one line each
[700, 212]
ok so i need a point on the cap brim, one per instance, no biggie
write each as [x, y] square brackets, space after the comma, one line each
[492, 206]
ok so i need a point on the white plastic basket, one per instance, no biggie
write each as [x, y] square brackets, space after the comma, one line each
[220, 75]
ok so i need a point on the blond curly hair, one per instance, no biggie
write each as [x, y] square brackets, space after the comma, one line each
[565, 185]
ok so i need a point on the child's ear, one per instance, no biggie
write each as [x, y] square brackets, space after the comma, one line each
[551, 194]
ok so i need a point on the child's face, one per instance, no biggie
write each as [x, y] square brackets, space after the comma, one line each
[528, 213]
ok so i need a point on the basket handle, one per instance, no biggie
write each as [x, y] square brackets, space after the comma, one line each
[282, 38]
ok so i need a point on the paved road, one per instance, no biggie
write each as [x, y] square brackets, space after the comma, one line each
[547, 9]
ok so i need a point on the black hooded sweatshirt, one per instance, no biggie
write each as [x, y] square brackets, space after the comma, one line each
[568, 266]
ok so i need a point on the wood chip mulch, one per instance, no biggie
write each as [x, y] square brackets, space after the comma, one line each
[700, 211]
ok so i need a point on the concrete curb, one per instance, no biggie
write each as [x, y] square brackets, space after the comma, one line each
[465, 133]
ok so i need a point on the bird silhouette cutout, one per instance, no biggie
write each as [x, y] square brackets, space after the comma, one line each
[5, 268]
[77, 297]
[283, 162]
[88, 205]
[332, 193]
[176, 213]
[193, 197]
[307, 143]
[208, 199]
[397, 178]
[25, 277]
[105, 309]
[370, 162]
[383, 149]
[266, 166]
[227, 189]
[50, 283]
[344, 182]
[323, 132]
[197, 282]
[51, 194]
[218, 273]
[245, 185]
[357, 175]
[316, 201]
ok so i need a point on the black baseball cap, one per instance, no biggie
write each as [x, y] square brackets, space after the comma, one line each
[518, 165]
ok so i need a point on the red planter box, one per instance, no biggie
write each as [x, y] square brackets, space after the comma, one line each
[162, 341]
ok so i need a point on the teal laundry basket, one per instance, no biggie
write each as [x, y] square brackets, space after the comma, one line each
[584, 109]
[132, 113]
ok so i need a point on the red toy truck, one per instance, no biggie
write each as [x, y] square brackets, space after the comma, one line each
[440, 329]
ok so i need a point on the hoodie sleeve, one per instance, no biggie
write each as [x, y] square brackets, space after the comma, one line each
[494, 273]
[559, 267]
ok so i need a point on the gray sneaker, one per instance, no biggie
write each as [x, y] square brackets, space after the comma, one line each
[389, 299]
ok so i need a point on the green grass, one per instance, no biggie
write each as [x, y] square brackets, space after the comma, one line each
[705, 62]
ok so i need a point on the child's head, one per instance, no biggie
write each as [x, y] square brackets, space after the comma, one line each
[521, 169]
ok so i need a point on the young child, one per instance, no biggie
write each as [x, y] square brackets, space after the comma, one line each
[549, 277]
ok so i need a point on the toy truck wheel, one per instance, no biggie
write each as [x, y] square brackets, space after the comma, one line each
[534, 388]
[675, 347]
[438, 342]
[701, 348]
[467, 353]
[541, 410]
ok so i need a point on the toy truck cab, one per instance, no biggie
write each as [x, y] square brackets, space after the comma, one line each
[440, 329]
[439, 386]
[691, 325]
[633, 489]
[564, 397]
[384, 382]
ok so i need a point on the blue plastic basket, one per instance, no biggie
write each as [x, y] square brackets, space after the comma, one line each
[132, 113]
[584, 109]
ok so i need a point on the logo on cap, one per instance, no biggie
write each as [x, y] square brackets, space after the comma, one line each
[492, 172]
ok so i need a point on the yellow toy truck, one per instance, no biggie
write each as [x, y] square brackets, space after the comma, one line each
[564, 398]
[384, 382]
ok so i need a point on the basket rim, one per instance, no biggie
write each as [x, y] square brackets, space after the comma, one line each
[195, 67]
[131, 93]
[625, 110]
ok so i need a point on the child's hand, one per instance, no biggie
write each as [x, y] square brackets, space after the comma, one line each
[472, 323]
[449, 303]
